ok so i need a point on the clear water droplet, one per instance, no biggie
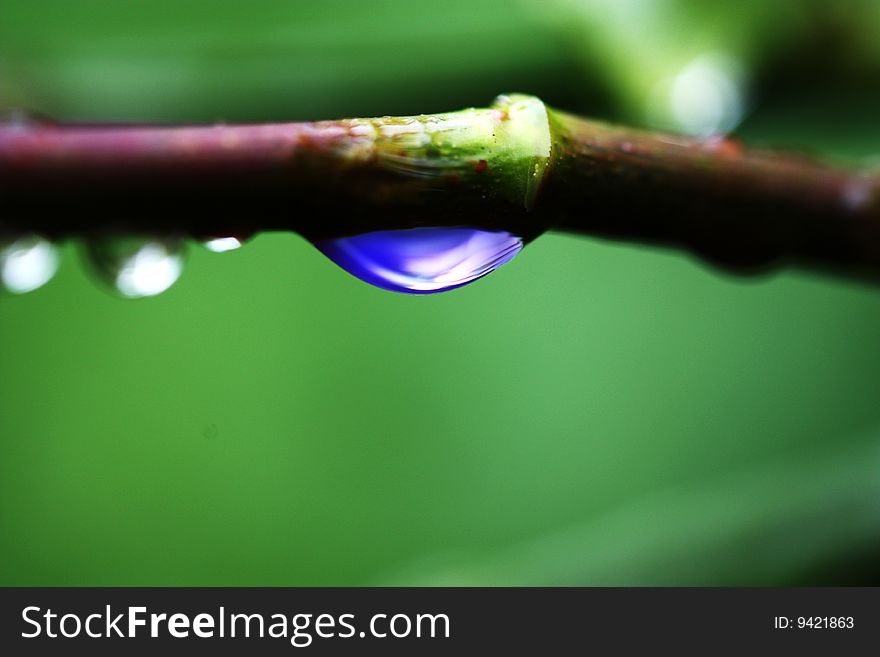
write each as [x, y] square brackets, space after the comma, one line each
[422, 260]
[222, 244]
[27, 263]
[137, 266]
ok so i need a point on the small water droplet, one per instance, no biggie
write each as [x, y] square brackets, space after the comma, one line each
[422, 260]
[137, 266]
[223, 244]
[27, 263]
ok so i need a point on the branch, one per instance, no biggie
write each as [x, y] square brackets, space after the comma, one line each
[517, 166]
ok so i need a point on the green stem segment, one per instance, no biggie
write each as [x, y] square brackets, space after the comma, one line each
[517, 166]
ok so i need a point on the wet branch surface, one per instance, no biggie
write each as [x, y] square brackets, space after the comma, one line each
[741, 209]
[516, 166]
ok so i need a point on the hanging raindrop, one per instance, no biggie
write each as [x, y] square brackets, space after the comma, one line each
[422, 260]
[224, 242]
[137, 266]
[27, 263]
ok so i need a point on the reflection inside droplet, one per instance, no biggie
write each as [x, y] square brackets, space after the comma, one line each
[136, 266]
[151, 271]
[222, 244]
[27, 263]
[422, 260]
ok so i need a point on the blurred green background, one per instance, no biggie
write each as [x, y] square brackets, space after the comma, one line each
[592, 413]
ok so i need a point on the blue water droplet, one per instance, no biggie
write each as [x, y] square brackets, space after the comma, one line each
[422, 260]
